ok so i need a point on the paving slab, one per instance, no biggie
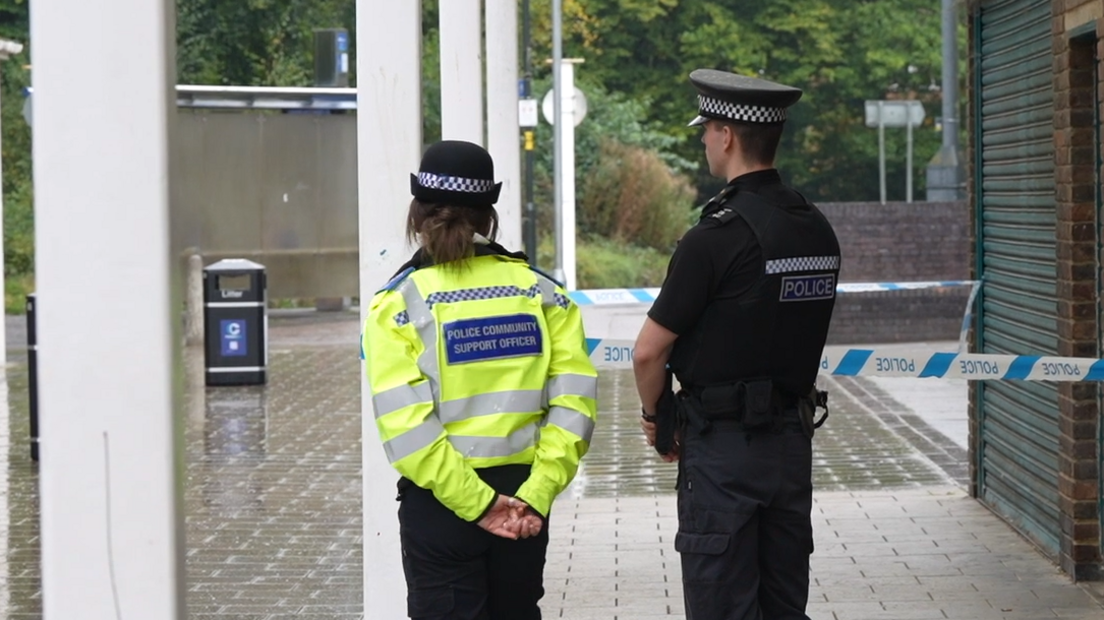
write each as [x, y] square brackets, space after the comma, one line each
[273, 500]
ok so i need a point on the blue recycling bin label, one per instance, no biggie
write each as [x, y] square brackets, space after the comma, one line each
[233, 339]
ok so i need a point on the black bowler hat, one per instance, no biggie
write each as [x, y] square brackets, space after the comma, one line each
[456, 173]
[729, 97]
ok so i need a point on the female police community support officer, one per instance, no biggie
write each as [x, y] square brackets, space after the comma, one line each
[484, 397]
[741, 320]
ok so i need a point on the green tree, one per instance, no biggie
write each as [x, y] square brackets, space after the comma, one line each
[17, 185]
[254, 42]
[840, 52]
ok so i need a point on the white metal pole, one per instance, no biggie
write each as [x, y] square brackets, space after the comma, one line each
[389, 139]
[567, 122]
[112, 531]
[881, 152]
[908, 155]
[558, 134]
[502, 116]
[461, 27]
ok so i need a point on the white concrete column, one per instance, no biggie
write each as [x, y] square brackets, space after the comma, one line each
[503, 133]
[461, 30]
[111, 474]
[389, 138]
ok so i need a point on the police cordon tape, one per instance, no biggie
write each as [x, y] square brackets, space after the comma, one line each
[853, 362]
[620, 296]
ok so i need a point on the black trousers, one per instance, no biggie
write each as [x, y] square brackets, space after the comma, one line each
[745, 530]
[457, 571]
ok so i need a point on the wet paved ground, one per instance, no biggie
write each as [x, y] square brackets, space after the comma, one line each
[273, 503]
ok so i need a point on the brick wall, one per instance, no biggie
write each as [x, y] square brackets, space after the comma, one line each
[900, 242]
[898, 316]
[1075, 156]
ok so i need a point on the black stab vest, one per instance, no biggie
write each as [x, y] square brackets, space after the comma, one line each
[777, 329]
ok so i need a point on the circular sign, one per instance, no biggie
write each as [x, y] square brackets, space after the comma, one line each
[580, 107]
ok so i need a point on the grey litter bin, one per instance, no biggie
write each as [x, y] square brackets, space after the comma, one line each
[235, 323]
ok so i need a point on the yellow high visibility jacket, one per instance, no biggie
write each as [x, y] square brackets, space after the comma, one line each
[480, 367]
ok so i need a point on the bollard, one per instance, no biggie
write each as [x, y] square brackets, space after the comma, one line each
[32, 373]
[193, 302]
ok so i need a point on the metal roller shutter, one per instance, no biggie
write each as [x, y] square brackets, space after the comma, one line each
[1018, 451]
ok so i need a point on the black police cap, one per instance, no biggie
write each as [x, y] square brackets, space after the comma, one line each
[729, 97]
[457, 173]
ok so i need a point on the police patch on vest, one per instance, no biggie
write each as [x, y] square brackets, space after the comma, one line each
[477, 340]
[808, 288]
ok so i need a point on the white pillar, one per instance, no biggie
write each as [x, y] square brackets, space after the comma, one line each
[502, 116]
[389, 138]
[461, 30]
[567, 195]
[110, 474]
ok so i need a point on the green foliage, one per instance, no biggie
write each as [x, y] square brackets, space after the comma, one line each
[16, 158]
[431, 73]
[612, 119]
[16, 289]
[254, 42]
[631, 196]
[604, 263]
[840, 52]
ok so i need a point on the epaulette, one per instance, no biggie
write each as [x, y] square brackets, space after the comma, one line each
[723, 215]
[554, 280]
[397, 280]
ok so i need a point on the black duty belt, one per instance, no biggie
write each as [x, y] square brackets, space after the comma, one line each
[736, 401]
[754, 404]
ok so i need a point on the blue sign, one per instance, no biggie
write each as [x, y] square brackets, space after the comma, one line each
[342, 42]
[808, 288]
[477, 340]
[233, 339]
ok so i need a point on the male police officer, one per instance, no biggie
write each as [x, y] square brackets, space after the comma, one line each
[741, 321]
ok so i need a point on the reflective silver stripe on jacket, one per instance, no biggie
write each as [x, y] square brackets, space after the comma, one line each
[492, 447]
[514, 401]
[573, 385]
[572, 421]
[422, 319]
[421, 436]
[401, 396]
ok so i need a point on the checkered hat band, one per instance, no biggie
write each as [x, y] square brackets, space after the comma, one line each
[743, 113]
[802, 263]
[454, 184]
